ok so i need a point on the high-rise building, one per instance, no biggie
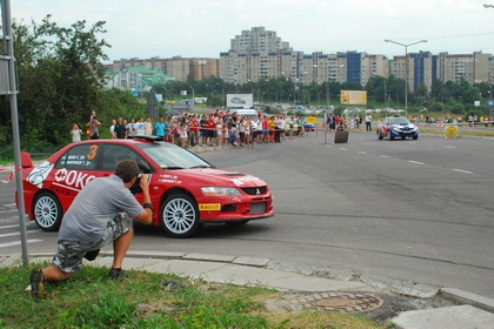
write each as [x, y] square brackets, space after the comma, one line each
[258, 54]
[473, 68]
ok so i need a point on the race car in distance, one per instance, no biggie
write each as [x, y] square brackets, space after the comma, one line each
[186, 191]
[397, 127]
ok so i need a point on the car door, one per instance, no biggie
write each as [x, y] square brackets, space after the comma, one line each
[73, 170]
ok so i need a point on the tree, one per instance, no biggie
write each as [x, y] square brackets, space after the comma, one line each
[60, 74]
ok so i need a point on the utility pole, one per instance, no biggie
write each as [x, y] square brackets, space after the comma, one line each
[9, 88]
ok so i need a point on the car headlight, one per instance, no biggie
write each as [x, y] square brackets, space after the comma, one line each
[219, 191]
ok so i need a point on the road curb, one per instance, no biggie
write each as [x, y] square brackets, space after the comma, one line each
[465, 297]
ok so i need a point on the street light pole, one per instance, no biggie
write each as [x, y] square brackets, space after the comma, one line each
[406, 67]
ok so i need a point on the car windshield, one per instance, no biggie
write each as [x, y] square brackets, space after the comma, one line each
[399, 121]
[169, 156]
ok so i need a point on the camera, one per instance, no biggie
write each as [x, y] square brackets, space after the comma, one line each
[136, 187]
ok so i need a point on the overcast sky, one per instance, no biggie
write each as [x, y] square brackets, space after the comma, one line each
[204, 28]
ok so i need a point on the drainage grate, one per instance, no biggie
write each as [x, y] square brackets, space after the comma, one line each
[341, 302]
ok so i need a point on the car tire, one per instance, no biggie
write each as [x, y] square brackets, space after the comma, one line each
[415, 137]
[180, 216]
[341, 136]
[47, 211]
[390, 137]
[379, 135]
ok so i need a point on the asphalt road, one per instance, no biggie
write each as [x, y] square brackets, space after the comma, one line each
[418, 210]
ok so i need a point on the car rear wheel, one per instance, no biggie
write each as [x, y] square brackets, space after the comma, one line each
[379, 135]
[180, 216]
[47, 212]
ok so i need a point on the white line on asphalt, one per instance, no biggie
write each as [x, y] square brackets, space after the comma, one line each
[17, 233]
[342, 148]
[10, 234]
[16, 243]
[450, 147]
[416, 162]
[463, 171]
[8, 226]
[362, 152]
[384, 156]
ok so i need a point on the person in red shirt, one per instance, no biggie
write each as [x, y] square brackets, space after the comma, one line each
[337, 121]
[211, 131]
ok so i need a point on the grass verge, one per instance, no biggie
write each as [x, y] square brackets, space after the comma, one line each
[148, 300]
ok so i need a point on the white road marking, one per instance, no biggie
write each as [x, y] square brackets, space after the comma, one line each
[9, 226]
[342, 148]
[463, 171]
[362, 152]
[16, 243]
[416, 162]
[450, 147]
[384, 156]
[18, 233]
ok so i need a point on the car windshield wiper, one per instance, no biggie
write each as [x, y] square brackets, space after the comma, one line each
[172, 168]
[199, 166]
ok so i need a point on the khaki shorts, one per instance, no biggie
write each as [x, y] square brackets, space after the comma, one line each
[70, 253]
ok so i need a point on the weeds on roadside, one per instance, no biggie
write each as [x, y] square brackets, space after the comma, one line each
[92, 300]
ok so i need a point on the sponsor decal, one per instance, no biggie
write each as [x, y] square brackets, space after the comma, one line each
[209, 206]
[73, 178]
[164, 178]
[38, 175]
[242, 180]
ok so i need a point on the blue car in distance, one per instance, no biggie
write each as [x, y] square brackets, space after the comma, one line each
[397, 127]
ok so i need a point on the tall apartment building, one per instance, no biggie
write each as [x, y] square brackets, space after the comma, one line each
[258, 40]
[473, 68]
[420, 69]
[259, 54]
[177, 67]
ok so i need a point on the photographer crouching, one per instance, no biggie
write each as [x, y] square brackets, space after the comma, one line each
[101, 213]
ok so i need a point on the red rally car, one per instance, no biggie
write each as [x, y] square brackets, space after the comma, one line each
[187, 190]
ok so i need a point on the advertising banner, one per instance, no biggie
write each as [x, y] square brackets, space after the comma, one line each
[353, 97]
[243, 101]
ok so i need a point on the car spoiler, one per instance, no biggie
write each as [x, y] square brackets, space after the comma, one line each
[26, 161]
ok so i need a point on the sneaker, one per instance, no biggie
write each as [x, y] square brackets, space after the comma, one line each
[37, 284]
[117, 274]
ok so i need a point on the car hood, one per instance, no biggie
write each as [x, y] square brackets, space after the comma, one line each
[215, 177]
[403, 125]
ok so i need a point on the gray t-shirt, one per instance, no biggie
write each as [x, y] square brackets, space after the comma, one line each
[97, 203]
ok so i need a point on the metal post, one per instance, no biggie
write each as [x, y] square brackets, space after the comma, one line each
[12, 94]
[406, 67]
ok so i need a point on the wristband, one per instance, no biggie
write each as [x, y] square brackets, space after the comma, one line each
[148, 205]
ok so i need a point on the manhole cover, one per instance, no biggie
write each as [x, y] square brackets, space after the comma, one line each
[341, 302]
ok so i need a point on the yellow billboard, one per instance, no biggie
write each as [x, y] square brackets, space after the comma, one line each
[354, 97]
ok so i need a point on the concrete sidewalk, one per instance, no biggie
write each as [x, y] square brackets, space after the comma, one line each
[473, 312]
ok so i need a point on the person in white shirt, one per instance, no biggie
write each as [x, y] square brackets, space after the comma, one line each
[368, 122]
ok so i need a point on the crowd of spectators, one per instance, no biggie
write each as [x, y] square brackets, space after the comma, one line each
[206, 130]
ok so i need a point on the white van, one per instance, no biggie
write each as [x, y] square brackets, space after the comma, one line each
[251, 113]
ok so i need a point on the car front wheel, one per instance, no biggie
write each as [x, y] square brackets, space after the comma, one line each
[47, 212]
[180, 216]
